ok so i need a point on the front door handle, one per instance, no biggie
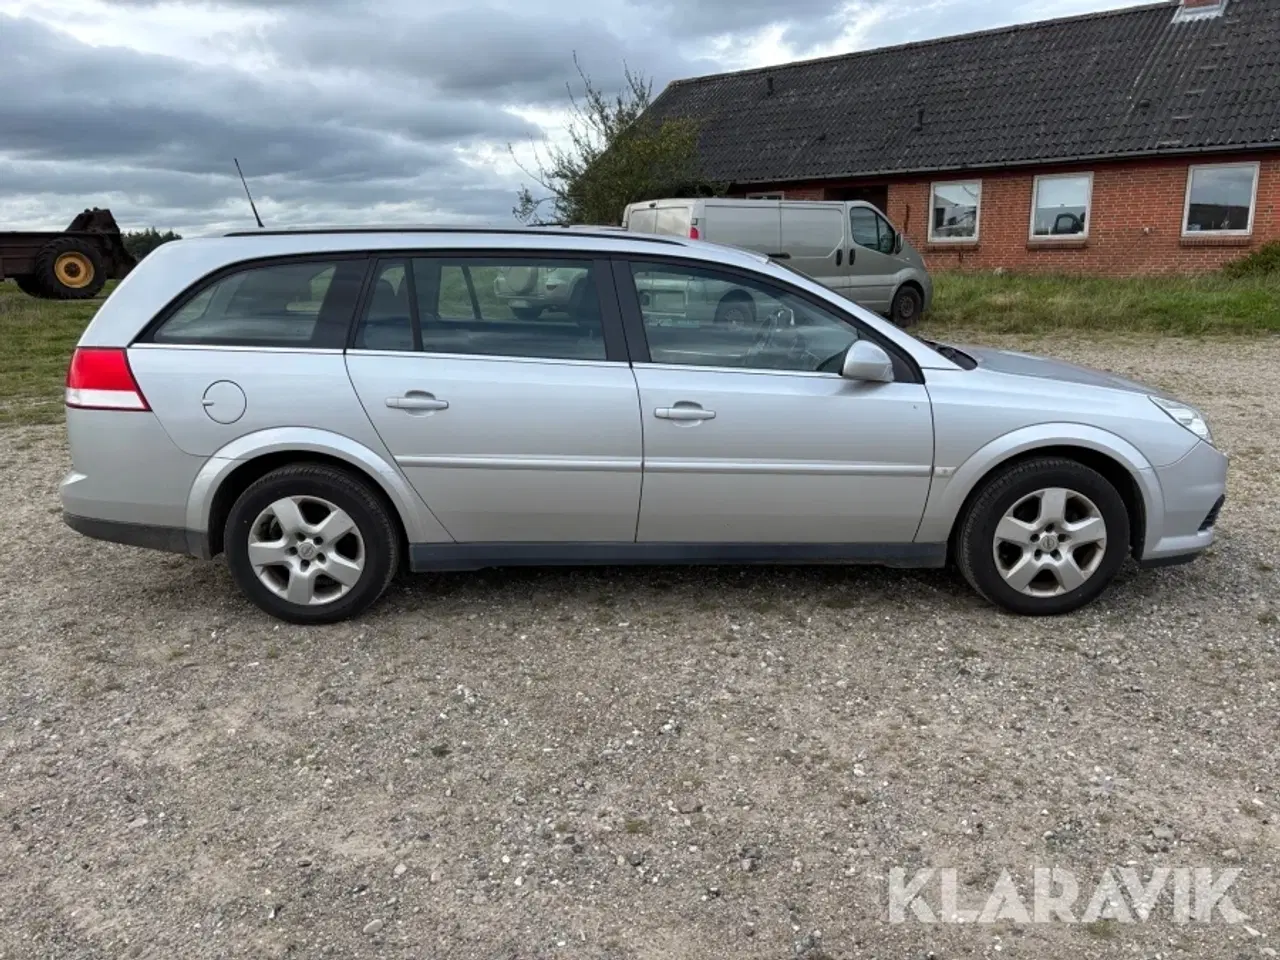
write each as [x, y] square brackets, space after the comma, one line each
[839, 256]
[417, 402]
[684, 413]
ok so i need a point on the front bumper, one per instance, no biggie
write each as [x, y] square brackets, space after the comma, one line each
[1192, 493]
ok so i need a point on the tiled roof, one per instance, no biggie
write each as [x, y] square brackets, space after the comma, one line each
[1130, 82]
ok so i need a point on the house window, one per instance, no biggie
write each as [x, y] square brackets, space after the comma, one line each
[1060, 206]
[766, 196]
[1221, 199]
[956, 212]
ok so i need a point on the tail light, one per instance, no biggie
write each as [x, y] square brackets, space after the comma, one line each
[694, 234]
[100, 379]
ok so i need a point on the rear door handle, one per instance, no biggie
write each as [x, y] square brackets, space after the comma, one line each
[684, 414]
[417, 402]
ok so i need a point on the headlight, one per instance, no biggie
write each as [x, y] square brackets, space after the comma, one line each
[1189, 417]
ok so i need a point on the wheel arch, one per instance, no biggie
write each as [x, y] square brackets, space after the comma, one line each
[1117, 460]
[233, 468]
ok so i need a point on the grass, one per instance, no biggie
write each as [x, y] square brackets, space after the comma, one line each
[38, 335]
[1185, 306]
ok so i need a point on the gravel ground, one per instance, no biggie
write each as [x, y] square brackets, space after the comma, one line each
[622, 763]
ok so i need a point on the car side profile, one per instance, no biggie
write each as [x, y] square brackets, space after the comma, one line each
[330, 407]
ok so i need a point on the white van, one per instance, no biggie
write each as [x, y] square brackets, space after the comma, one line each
[849, 246]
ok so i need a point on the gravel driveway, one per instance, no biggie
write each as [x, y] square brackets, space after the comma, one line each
[623, 763]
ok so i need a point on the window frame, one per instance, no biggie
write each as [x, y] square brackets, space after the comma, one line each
[1255, 166]
[977, 218]
[905, 368]
[611, 322]
[355, 297]
[1035, 201]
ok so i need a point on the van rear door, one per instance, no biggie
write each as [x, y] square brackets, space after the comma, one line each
[641, 218]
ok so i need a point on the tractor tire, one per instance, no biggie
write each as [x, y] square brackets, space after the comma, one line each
[69, 268]
[27, 284]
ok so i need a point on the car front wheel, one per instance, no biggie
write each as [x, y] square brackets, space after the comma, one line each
[1044, 537]
[311, 544]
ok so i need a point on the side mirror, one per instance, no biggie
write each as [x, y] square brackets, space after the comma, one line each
[867, 361]
[897, 243]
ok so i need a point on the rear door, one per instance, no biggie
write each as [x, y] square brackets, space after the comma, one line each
[873, 268]
[813, 238]
[512, 430]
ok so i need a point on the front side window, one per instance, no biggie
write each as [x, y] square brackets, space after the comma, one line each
[1221, 199]
[499, 307]
[699, 317]
[870, 230]
[300, 304]
[955, 210]
[1060, 206]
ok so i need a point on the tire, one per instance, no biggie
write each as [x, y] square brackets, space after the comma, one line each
[28, 285]
[736, 307]
[908, 304]
[373, 547]
[527, 313]
[992, 567]
[69, 268]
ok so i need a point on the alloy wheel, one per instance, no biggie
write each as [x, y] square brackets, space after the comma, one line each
[1050, 543]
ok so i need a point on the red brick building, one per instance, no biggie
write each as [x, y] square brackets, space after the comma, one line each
[1139, 141]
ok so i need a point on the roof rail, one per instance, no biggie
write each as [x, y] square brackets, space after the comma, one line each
[597, 232]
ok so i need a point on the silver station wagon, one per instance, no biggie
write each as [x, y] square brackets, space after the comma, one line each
[330, 407]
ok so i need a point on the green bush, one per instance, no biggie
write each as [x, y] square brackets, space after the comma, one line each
[1263, 262]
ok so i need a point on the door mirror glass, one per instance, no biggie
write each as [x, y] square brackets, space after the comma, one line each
[897, 243]
[867, 361]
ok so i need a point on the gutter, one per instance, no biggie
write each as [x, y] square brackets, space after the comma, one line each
[1007, 164]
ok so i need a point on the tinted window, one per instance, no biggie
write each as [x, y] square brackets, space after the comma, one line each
[705, 318]
[306, 304]
[507, 307]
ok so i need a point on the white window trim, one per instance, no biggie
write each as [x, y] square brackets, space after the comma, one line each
[1035, 202]
[771, 195]
[977, 220]
[1254, 165]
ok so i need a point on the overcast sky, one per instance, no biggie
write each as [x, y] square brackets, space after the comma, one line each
[349, 111]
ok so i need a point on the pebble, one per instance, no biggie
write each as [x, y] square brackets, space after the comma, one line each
[636, 859]
[399, 871]
[373, 926]
[1231, 854]
[1162, 833]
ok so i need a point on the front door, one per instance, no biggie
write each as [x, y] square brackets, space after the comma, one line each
[514, 425]
[873, 266]
[752, 436]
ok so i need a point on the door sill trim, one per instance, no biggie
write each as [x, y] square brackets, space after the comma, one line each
[428, 557]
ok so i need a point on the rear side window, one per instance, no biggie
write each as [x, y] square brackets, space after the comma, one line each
[297, 304]
[513, 306]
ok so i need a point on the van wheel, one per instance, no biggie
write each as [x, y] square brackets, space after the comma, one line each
[907, 306]
[736, 309]
[527, 313]
[311, 544]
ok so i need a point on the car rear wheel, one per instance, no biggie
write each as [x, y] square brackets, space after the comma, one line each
[1044, 537]
[311, 544]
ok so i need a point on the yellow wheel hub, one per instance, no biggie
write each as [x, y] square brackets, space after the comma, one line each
[73, 270]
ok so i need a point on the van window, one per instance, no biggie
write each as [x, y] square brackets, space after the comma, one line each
[298, 304]
[673, 221]
[643, 220]
[870, 230]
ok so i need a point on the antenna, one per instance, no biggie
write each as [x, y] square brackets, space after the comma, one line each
[252, 206]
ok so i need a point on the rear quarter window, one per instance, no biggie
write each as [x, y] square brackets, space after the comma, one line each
[304, 304]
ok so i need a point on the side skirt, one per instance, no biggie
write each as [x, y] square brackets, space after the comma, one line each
[427, 557]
